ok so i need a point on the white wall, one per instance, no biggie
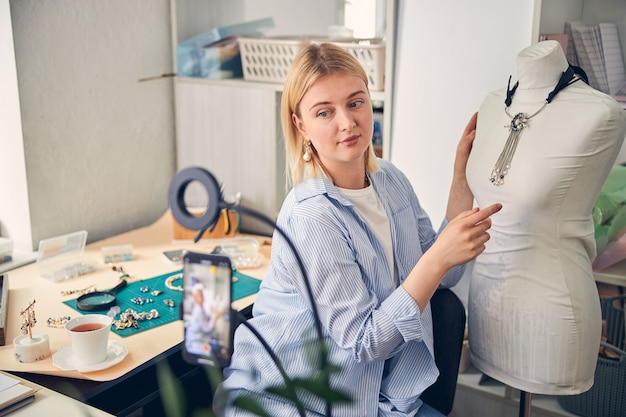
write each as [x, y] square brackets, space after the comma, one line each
[290, 17]
[14, 209]
[294, 17]
[92, 147]
[447, 59]
[98, 144]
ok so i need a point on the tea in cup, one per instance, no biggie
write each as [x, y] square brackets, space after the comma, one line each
[89, 337]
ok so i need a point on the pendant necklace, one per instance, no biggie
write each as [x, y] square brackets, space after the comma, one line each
[519, 122]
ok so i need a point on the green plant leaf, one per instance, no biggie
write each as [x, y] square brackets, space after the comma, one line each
[172, 396]
[321, 388]
[202, 412]
[249, 403]
[287, 393]
[214, 375]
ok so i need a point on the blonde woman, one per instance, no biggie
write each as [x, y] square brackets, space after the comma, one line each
[371, 255]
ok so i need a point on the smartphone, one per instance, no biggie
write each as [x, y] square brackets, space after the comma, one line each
[174, 256]
[206, 309]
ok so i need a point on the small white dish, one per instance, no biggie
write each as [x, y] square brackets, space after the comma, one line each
[64, 358]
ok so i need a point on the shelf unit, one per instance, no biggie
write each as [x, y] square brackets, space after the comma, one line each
[232, 127]
[550, 15]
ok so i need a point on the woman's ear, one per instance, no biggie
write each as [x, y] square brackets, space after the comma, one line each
[298, 124]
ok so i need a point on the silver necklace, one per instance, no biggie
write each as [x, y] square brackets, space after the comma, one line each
[519, 122]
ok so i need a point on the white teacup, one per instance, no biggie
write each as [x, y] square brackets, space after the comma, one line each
[89, 337]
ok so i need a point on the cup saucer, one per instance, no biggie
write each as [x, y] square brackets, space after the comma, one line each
[64, 358]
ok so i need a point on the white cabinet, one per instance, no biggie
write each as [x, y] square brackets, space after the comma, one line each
[232, 131]
[232, 127]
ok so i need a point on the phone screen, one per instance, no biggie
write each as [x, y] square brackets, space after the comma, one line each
[206, 311]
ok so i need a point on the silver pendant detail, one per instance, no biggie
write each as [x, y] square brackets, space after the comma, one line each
[503, 164]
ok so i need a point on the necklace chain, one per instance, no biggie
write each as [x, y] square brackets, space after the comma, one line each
[519, 122]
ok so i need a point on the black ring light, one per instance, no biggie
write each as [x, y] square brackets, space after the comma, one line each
[179, 185]
[202, 223]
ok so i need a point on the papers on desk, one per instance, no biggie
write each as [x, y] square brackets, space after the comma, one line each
[15, 393]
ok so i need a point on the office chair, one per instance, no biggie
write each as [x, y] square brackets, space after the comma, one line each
[448, 331]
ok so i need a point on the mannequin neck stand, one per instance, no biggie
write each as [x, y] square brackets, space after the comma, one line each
[524, 404]
[540, 65]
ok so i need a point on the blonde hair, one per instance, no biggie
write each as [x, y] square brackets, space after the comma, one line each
[313, 62]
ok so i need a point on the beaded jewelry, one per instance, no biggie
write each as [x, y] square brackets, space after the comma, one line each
[85, 290]
[131, 318]
[57, 322]
[29, 319]
[169, 283]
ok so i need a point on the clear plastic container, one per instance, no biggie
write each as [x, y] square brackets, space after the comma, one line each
[242, 251]
[61, 257]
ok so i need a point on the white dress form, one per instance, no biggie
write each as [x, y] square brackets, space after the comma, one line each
[534, 315]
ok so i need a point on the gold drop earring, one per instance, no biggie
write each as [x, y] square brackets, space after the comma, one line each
[307, 151]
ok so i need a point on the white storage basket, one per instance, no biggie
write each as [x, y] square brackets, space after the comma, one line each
[268, 59]
[371, 55]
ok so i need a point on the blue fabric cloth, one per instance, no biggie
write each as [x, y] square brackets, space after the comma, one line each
[374, 330]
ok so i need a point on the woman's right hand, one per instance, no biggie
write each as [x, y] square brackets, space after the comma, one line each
[464, 238]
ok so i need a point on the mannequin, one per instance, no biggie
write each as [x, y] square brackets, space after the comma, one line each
[534, 316]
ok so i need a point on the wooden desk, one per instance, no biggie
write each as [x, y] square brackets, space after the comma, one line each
[26, 284]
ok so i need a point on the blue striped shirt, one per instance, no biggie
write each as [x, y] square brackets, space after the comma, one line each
[374, 330]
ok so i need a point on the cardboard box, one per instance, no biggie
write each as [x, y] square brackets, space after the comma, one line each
[220, 230]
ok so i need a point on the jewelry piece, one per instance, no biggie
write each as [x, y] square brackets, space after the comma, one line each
[131, 318]
[169, 302]
[144, 289]
[307, 152]
[169, 283]
[501, 168]
[519, 122]
[120, 269]
[85, 290]
[29, 319]
[58, 322]
[156, 292]
[141, 300]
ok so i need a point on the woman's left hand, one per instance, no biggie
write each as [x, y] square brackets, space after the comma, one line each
[461, 197]
[464, 147]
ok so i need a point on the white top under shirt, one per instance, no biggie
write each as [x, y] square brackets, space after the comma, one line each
[369, 206]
